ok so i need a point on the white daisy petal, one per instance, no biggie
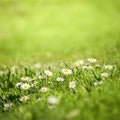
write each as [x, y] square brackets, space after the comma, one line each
[48, 73]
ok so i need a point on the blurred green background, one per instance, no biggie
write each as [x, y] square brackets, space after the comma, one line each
[52, 30]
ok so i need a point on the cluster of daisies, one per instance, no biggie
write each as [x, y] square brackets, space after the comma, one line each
[26, 83]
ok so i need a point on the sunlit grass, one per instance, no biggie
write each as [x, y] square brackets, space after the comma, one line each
[78, 91]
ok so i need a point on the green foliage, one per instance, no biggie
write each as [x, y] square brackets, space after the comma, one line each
[95, 96]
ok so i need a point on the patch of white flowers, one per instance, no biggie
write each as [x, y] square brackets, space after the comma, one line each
[60, 79]
[18, 84]
[87, 67]
[78, 63]
[7, 106]
[97, 83]
[92, 60]
[35, 81]
[72, 85]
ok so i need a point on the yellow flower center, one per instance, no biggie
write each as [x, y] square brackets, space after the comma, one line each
[25, 87]
[66, 70]
[108, 67]
[75, 64]
[24, 99]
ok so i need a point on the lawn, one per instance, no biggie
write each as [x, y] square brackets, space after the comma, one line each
[52, 35]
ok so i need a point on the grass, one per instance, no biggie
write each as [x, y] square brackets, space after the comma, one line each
[83, 101]
[54, 32]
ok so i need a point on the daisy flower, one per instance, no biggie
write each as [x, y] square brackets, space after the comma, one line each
[66, 71]
[95, 84]
[105, 74]
[24, 98]
[59, 79]
[78, 63]
[7, 106]
[40, 77]
[25, 78]
[92, 60]
[87, 67]
[48, 73]
[72, 84]
[44, 89]
[18, 84]
[52, 100]
[108, 67]
[25, 86]
[49, 82]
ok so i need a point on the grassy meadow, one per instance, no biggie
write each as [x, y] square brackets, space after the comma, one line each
[59, 59]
